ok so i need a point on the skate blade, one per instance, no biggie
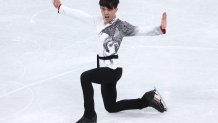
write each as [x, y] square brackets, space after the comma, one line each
[161, 99]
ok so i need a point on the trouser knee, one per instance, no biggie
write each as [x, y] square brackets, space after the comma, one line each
[111, 109]
[84, 77]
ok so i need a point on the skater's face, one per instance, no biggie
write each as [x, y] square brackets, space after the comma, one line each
[108, 14]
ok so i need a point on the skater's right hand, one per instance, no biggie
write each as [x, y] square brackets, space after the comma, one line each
[164, 21]
[56, 3]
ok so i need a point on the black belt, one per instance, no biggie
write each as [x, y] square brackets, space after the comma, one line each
[106, 58]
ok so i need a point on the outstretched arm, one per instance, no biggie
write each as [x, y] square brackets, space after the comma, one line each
[154, 31]
[74, 13]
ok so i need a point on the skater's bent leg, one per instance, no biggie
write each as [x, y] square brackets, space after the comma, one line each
[88, 94]
[99, 76]
[109, 94]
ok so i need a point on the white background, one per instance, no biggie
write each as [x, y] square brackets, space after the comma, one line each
[42, 55]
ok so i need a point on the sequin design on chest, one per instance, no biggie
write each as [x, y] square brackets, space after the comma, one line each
[116, 32]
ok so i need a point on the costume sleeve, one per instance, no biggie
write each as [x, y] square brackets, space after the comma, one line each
[76, 14]
[153, 31]
[130, 30]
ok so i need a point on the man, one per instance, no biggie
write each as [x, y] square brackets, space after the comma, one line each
[110, 31]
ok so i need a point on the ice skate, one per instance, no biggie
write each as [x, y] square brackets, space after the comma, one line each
[87, 120]
[155, 100]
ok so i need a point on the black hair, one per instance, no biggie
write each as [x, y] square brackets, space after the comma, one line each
[110, 4]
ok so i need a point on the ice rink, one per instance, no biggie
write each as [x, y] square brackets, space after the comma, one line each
[42, 55]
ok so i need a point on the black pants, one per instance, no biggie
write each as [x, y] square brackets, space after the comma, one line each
[108, 79]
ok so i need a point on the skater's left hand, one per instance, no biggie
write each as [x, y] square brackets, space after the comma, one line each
[164, 21]
[56, 3]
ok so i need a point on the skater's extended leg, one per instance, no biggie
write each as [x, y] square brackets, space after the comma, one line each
[109, 94]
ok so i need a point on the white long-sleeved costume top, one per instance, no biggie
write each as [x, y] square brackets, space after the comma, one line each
[109, 36]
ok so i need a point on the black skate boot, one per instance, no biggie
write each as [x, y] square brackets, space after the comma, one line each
[154, 100]
[87, 120]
